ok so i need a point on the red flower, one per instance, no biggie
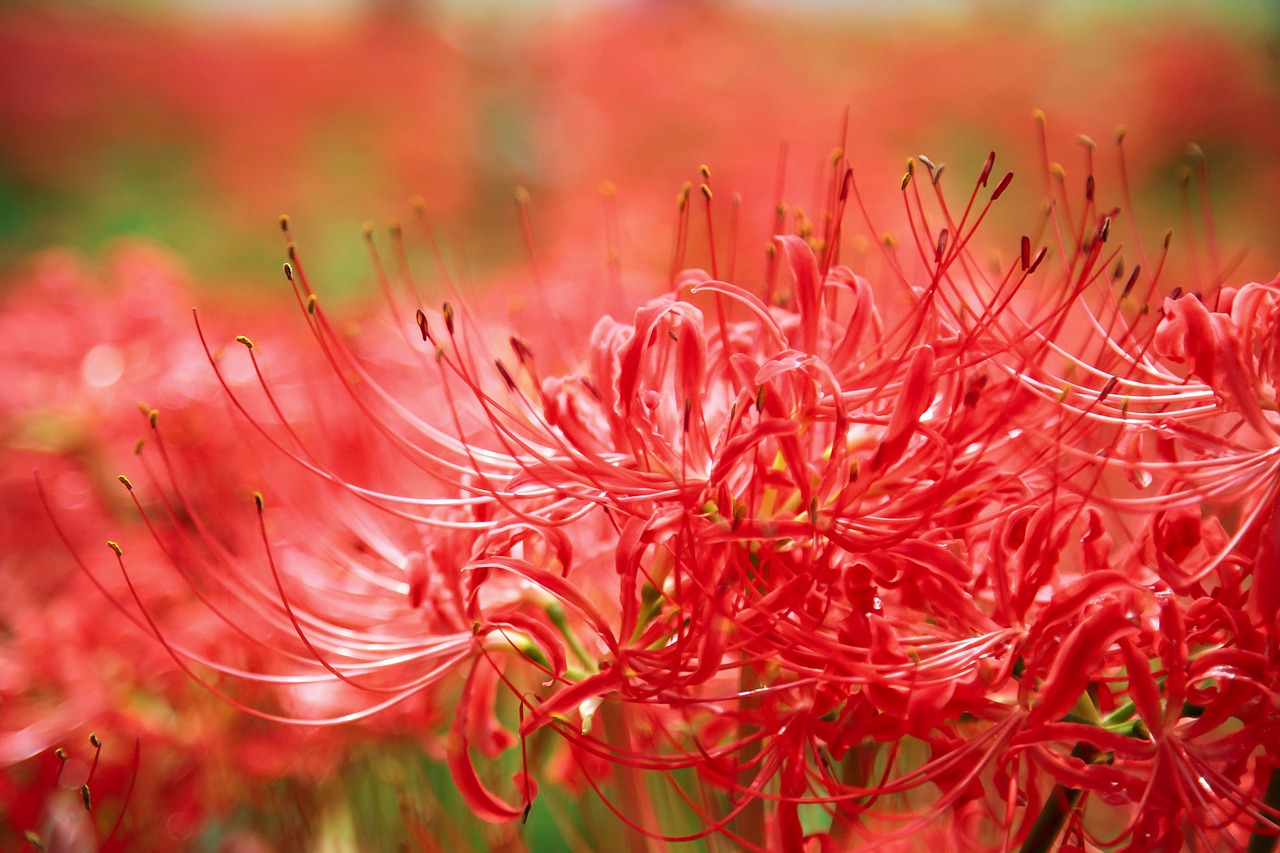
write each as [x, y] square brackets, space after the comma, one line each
[813, 544]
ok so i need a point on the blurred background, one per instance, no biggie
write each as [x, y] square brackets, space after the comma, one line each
[189, 127]
[195, 124]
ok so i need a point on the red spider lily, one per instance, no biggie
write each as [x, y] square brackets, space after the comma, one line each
[831, 561]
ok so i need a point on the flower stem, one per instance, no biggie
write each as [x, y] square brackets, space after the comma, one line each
[1057, 809]
[749, 825]
[630, 781]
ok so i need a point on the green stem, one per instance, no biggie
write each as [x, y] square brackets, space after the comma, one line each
[1057, 809]
[857, 770]
[749, 825]
[556, 614]
[633, 793]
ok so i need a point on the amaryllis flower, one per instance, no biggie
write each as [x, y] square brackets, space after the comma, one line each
[827, 555]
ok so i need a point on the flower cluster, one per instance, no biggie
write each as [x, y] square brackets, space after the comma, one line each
[850, 554]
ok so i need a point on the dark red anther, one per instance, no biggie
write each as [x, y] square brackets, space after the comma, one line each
[1002, 186]
[986, 168]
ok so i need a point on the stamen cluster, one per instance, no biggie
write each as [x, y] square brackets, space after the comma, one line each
[834, 558]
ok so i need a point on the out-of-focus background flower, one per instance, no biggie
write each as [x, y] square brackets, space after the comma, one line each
[195, 124]
[192, 126]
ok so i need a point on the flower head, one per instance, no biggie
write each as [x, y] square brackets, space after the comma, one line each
[803, 547]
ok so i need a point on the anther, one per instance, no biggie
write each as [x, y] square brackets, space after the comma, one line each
[259, 501]
[84, 796]
[284, 222]
[521, 349]
[125, 481]
[1133, 279]
[973, 390]
[242, 339]
[1089, 187]
[1038, 258]
[986, 169]
[941, 249]
[937, 173]
[448, 317]
[1002, 186]
[1108, 388]
[366, 231]
[706, 191]
[422, 325]
[1086, 141]
[705, 171]
[760, 399]
[506, 375]
[95, 740]
[114, 546]
[1026, 252]
[152, 417]
[312, 301]
[288, 272]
